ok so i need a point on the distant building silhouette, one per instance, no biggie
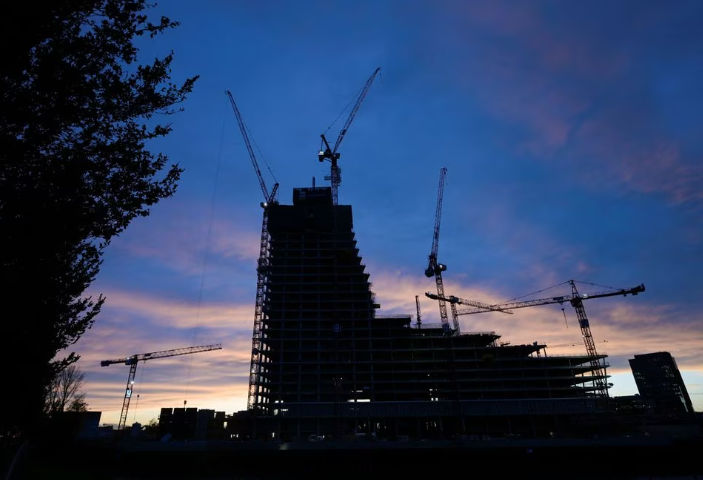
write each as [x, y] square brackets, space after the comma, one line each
[76, 424]
[191, 423]
[659, 382]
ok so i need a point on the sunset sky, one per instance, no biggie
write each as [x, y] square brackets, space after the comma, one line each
[571, 132]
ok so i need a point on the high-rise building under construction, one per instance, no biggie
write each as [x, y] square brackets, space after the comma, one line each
[324, 363]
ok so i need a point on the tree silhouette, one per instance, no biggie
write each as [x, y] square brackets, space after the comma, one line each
[78, 404]
[64, 392]
[77, 110]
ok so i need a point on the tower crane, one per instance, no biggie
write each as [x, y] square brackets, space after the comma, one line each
[576, 300]
[133, 361]
[269, 198]
[331, 153]
[262, 267]
[435, 268]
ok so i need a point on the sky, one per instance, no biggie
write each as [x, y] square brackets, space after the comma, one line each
[571, 135]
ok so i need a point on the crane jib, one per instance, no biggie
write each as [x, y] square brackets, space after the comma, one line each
[242, 128]
[332, 154]
[133, 360]
[598, 367]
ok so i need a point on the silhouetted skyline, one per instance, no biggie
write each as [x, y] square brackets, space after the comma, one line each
[569, 134]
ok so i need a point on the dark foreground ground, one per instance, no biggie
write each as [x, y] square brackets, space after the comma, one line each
[621, 458]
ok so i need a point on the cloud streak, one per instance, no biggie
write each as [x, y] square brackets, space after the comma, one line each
[573, 96]
[137, 322]
[578, 91]
[189, 250]
[176, 313]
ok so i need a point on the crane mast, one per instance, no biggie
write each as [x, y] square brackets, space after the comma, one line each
[331, 153]
[434, 268]
[598, 366]
[133, 361]
[576, 300]
[417, 307]
[268, 198]
[257, 352]
[258, 347]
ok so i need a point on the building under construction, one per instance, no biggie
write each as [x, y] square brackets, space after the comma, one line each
[323, 362]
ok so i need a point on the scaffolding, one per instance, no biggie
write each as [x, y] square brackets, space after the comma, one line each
[256, 383]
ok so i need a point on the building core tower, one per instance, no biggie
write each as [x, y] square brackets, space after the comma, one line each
[317, 307]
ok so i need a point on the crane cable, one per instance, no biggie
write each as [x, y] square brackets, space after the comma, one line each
[558, 285]
[218, 167]
[344, 110]
[597, 285]
[536, 292]
[261, 154]
[139, 382]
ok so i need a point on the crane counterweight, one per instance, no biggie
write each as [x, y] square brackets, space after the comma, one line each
[434, 268]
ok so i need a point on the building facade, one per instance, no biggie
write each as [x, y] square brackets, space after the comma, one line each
[659, 381]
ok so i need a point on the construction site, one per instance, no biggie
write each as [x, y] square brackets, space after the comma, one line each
[332, 380]
[325, 365]
[266, 240]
